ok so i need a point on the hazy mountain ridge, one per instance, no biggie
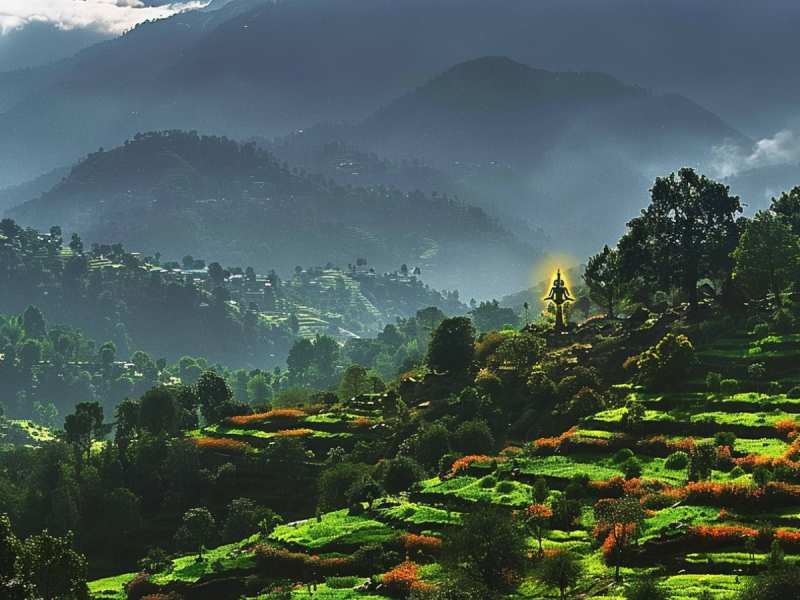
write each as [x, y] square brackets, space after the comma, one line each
[176, 192]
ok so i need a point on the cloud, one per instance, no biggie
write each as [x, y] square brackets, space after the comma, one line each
[106, 16]
[781, 149]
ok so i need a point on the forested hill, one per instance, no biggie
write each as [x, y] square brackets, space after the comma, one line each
[178, 193]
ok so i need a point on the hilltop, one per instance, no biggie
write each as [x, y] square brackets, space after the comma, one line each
[181, 193]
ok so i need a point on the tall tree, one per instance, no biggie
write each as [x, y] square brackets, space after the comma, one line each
[602, 277]
[767, 258]
[687, 232]
[452, 346]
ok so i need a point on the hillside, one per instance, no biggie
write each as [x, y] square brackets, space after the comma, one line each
[527, 144]
[180, 193]
[694, 535]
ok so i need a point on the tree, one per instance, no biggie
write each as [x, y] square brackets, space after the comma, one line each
[560, 570]
[701, 462]
[773, 584]
[537, 518]
[53, 568]
[84, 426]
[259, 390]
[622, 518]
[668, 362]
[245, 517]
[686, 233]
[490, 316]
[452, 346]
[787, 207]
[33, 323]
[767, 258]
[473, 437]
[490, 546]
[213, 394]
[401, 473]
[158, 411]
[602, 277]
[355, 381]
[335, 482]
[10, 548]
[198, 529]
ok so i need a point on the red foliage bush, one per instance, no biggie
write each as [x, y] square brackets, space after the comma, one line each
[278, 413]
[404, 579]
[301, 432]
[465, 462]
[361, 423]
[548, 445]
[279, 562]
[426, 544]
[224, 445]
[786, 427]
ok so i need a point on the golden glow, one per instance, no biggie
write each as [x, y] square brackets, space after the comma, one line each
[543, 273]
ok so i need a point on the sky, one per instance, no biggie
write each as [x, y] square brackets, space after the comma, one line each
[103, 16]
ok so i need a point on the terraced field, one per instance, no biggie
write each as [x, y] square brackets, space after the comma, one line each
[701, 537]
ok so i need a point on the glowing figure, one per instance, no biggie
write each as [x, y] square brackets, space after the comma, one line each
[559, 295]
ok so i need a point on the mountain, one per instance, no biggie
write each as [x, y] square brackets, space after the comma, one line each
[249, 68]
[526, 144]
[179, 193]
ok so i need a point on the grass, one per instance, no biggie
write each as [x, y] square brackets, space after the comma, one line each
[472, 489]
[689, 587]
[187, 569]
[334, 529]
[110, 588]
[414, 513]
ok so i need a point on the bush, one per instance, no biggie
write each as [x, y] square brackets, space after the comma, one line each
[488, 482]
[505, 487]
[623, 455]
[713, 381]
[794, 392]
[677, 461]
[139, 587]
[401, 473]
[632, 469]
[473, 437]
[736, 472]
[729, 386]
[783, 321]
[725, 438]
[761, 330]
[668, 362]
[757, 370]
[342, 583]
[645, 588]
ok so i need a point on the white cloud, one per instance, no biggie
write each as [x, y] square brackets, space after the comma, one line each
[107, 16]
[783, 148]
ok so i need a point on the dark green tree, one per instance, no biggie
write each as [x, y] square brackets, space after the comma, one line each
[452, 346]
[560, 570]
[602, 277]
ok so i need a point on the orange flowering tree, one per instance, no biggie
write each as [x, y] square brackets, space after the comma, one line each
[537, 518]
[620, 520]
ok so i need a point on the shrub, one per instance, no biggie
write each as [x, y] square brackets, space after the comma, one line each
[473, 437]
[712, 381]
[224, 445]
[301, 432]
[632, 469]
[783, 321]
[465, 462]
[139, 587]
[668, 362]
[794, 392]
[342, 583]
[623, 455]
[278, 413]
[677, 461]
[426, 544]
[505, 487]
[403, 579]
[401, 473]
[729, 386]
[761, 330]
[757, 370]
[725, 438]
[488, 482]
[645, 588]
[736, 472]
